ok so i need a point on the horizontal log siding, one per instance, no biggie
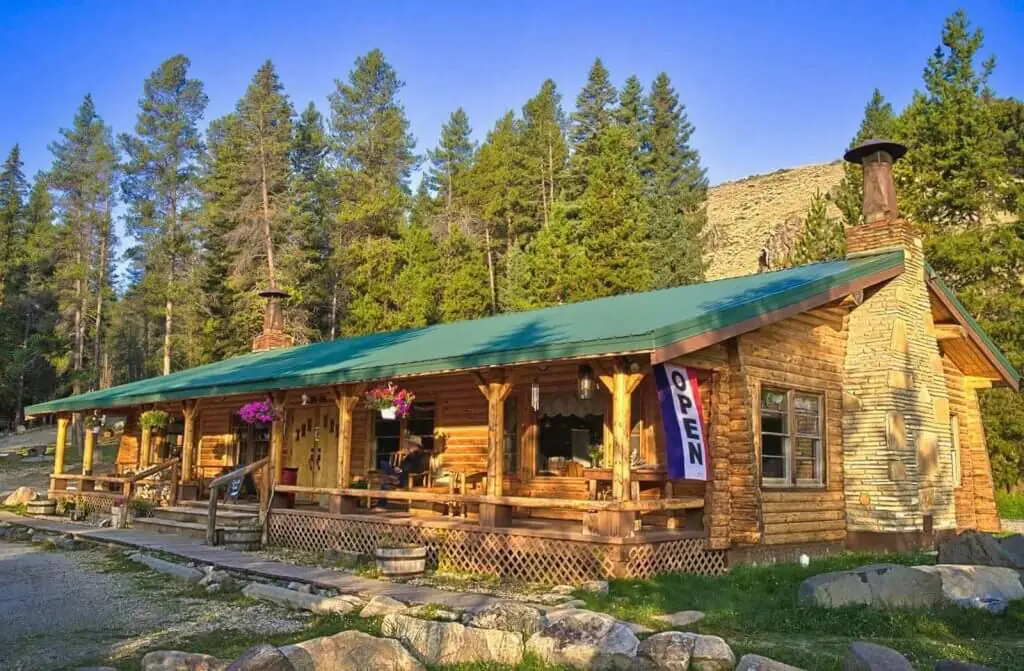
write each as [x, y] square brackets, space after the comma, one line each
[804, 352]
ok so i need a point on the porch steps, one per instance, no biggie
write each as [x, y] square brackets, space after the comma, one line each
[237, 524]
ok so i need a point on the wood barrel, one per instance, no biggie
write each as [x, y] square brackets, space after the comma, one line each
[41, 507]
[406, 561]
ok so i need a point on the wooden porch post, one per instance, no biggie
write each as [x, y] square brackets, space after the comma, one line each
[495, 391]
[278, 399]
[62, 442]
[620, 383]
[190, 409]
[87, 451]
[145, 447]
[346, 398]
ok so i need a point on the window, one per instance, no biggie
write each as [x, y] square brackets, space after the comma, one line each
[954, 427]
[388, 433]
[570, 432]
[791, 438]
[511, 436]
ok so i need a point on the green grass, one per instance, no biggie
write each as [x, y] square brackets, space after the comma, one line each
[1010, 505]
[756, 610]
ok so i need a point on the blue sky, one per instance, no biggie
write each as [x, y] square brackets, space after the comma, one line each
[767, 84]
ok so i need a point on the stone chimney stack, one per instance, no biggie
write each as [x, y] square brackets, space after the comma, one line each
[273, 335]
[897, 463]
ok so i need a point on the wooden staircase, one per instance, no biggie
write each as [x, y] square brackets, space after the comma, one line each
[237, 523]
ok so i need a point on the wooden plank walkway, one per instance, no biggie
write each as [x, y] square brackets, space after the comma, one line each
[195, 550]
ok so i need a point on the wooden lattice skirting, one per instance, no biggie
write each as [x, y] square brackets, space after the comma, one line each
[98, 502]
[517, 554]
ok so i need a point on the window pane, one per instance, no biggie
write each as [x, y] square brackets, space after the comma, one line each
[773, 400]
[773, 422]
[773, 467]
[774, 446]
[808, 461]
[511, 437]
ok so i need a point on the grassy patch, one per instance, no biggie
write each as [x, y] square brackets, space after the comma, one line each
[18, 508]
[1010, 505]
[756, 609]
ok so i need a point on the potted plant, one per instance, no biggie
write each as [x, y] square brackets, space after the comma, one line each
[390, 400]
[258, 412]
[154, 420]
[93, 423]
[117, 513]
[398, 559]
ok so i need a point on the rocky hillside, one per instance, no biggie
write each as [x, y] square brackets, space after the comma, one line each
[744, 215]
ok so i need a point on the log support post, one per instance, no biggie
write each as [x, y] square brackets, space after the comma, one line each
[277, 429]
[620, 379]
[88, 450]
[495, 389]
[190, 411]
[145, 447]
[346, 398]
[60, 448]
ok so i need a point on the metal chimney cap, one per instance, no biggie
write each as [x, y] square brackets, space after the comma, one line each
[857, 154]
[274, 293]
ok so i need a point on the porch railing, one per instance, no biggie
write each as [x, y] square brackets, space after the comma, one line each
[227, 478]
[126, 485]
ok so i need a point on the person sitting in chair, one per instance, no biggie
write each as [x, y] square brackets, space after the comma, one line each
[412, 461]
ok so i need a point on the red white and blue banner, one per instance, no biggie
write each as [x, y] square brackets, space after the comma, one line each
[683, 419]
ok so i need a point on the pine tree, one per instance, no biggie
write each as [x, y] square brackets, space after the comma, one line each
[544, 150]
[676, 185]
[450, 164]
[595, 111]
[632, 112]
[13, 189]
[955, 170]
[879, 123]
[822, 238]
[463, 266]
[160, 187]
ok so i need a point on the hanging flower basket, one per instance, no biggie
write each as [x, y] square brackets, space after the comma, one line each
[258, 412]
[155, 420]
[390, 400]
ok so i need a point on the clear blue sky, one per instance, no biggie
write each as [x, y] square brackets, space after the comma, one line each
[767, 84]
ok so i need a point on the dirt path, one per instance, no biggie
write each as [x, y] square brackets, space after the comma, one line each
[63, 609]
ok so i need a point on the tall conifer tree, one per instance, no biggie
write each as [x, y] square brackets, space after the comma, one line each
[544, 149]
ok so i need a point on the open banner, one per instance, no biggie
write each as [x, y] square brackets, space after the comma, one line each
[686, 449]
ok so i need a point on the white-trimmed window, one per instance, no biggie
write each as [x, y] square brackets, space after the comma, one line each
[954, 427]
[792, 438]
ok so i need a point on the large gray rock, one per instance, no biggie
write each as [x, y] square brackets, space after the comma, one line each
[974, 547]
[350, 651]
[877, 584]
[985, 587]
[509, 616]
[759, 663]
[21, 495]
[864, 656]
[584, 640]
[382, 605]
[452, 643]
[669, 651]
[262, 657]
[711, 653]
[287, 597]
[179, 571]
[683, 618]
[951, 665]
[176, 660]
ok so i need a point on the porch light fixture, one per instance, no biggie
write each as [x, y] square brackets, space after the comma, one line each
[585, 382]
[305, 399]
[535, 396]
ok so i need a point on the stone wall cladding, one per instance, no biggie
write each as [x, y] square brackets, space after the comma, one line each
[893, 365]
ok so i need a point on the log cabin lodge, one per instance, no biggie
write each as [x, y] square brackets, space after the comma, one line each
[839, 405]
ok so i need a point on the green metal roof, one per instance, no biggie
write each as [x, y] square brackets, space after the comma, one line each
[627, 323]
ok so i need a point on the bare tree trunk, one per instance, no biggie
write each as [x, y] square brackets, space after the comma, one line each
[19, 396]
[168, 324]
[100, 281]
[79, 356]
[267, 239]
[334, 306]
[490, 270]
[551, 174]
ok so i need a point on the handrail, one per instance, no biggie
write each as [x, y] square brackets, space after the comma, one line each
[220, 481]
[153, 470]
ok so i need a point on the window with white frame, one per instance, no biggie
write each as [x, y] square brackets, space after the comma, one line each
[792, 438]
[954, 427]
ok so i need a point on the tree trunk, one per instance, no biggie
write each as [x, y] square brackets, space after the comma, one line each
[100, 281]
[79, 344]
[168, 324]
[19, 395]
[334, 306]
[490, 270]
[551, 173]
[267, 239]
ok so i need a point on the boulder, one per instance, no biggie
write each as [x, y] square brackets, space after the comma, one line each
[293, 599]
[509, 616]
[571, 604]
[584, 640]
[759, 663]
[382, 605]
[711, 653]
[877, 584]
[974, 547]
[985, 587]
[864, 656]
[1013, 548]
[176, 660]
[212, 576]
[596, 586]
[262, 657]
[683, 618]
[350, 650]
[438, 643]
[428, 611]
[179, 571]
[951, 665]
[303, 587]
[669, 651]
[563, 590]
[638, 629]
[21, 495]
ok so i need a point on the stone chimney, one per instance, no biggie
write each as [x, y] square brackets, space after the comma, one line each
[897, 459]
[273, 335]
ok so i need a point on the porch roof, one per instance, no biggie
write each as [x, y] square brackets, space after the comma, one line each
[642, 322]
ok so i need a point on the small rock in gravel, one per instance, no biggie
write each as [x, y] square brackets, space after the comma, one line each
[681, 619]
[305, 588]
[214, 587]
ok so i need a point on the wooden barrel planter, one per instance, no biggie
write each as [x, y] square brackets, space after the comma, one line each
[41, 507]
[404, 561]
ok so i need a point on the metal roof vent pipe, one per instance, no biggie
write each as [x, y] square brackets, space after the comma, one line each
[273, 335]
[877, 158]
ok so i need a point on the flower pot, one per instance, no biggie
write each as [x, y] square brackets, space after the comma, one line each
[389, 413]
[401, 562]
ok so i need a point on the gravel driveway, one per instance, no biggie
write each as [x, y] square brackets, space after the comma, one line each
[58, 610]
